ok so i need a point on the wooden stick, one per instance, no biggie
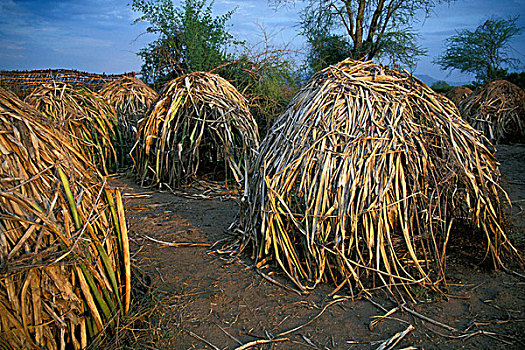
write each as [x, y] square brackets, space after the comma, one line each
[396, 338]
[261, 341]
[177, 244]
[425, 318]
[315, 318]
[201, 339]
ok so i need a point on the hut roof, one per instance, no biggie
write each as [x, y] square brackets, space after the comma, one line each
[200, 124]
[132, 100]
[360, 181]
[64, 259]
[458, 94]
[498, 110]
[130, 97]
[86, 116]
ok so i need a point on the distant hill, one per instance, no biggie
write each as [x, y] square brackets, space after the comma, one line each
[427, 79]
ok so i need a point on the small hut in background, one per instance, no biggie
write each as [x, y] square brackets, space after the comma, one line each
[361, 180]
[200, 127]
[84, 114]
[458, 94]
[65, 272]
[498, 110]
[132, 100]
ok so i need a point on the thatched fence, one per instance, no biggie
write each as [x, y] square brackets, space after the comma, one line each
[23, 82]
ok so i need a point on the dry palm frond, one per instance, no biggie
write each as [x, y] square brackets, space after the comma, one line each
[498, 110]
[90, 120]
[458, 94]
[64, 254]
[360, 180]
[132, 100]
[200, 123]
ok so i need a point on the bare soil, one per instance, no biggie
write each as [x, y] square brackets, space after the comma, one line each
[197, 300]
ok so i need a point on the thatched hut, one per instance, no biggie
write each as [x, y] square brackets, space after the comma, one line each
[458, 94]
[498, 110]
[64, 256]
[360, 181]
[84, 114]
[132, 100]
[200, 125]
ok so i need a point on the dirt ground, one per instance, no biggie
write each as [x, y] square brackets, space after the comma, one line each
[198, 300]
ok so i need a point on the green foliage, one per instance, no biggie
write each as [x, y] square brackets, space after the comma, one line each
[483, 52]
[267, 78]
[190, 38]
[441, 86]
[400, 47]
[517, 79]
[363, 29]
[325, 49]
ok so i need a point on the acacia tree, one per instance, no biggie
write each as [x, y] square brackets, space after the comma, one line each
[483, 52]
[190, 38]
[364, 28]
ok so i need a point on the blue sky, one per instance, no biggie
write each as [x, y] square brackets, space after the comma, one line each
[98, 35]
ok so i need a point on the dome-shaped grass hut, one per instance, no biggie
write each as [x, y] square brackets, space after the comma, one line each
[132, 100]
[498, 110]
[90, 120]
[360, 181]
[64, 256]
[458, 94]
[201, 125]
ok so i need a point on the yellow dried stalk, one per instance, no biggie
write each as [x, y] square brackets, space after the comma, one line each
[132, 100]
[200, 123]
[90, 120]
[360, 181]
[62, 270]
[498, 110]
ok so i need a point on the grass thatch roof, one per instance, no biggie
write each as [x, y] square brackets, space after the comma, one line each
[360, 181]
[498, 110]
[200, 124]
[132, 100]
[458, 94]
[64, 256]
[90, 120]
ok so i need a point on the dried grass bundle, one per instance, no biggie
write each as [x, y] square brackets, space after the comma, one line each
[458, 94]
[200, 124]
[498, 110]
[90, 120]
[360, 181]
[64, 253]
[132, 100]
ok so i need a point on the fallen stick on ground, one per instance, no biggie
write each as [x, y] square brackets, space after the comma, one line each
[177, 244]
[378, 319]
[201, 339]
[315, 318]
[425, 318]
[260, 341]
[396, 338]
[229, 335]
[269, 279]
[376, 304]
